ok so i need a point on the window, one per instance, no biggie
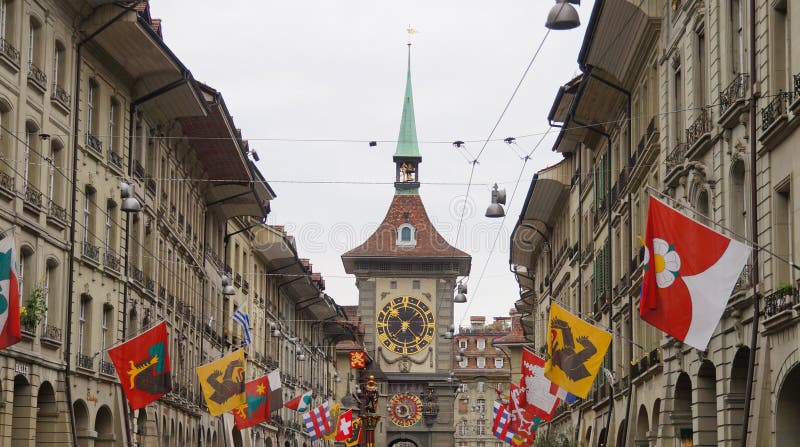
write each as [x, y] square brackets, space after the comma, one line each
[406, 236]
[415, 284]
[481, 344]
[109, 234]
[481, 362]
[498, 362]
[738, 199]
[34, 44]
[463, 363]
[49, 282]
[463, 388]
[87, 214]
[31, 157]
[782, 230]
[392, 285]
[104, 328]
[780, 34]
[481, 430]
[480, 405]
[481, 387]
[462, 428]
[113, 110]
[59, 64]
[701, 71]
[26, 270]
[463, 405]
[83, 313]
[462, 344]
[736, 37]
[678, 123]
[91, 105]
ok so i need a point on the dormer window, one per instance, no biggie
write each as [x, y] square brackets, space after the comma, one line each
[406, 236]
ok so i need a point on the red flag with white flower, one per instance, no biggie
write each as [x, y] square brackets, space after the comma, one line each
[689, 273]
[540, 393]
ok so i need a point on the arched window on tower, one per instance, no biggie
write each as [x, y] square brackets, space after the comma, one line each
[406, 236]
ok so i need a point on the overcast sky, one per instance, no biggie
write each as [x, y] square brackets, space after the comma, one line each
[335, 70]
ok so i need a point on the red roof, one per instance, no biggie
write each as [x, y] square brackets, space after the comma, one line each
[383, 242]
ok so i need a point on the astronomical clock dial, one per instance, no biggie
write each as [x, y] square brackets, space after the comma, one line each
[405, 325]
[405, 409]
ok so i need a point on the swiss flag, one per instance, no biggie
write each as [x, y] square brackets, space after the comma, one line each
[689, 273]
[345, 426]
[541, 395]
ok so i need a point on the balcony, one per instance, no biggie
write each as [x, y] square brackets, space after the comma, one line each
[115, 159]
[51, 335]
[9, 53]
[94, 143]
[731, 100]
[698, 133]
[107, 368]
[162, 293]
[675, 158]
[245, 287]
[138, 169]
[181, 220]
[150, 187]
[112, 261]
[774, 113]
[779, 301]
[33, 197]
[36, 77]
[91, 251]
[57, 212]
[84, 361]
[137, 275]
[237, 280]
[28, 328]
[7, 183]
[61, 97]
[149, 284]
[744, 279]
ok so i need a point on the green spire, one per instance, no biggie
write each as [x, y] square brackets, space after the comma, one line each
[407, 140]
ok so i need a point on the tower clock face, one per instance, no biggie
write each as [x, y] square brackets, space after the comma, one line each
[405, 325]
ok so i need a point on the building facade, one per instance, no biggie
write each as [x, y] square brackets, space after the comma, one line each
[662, 107]
[405, 274]
[91, 97]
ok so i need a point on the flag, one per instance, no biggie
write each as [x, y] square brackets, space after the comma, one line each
[256, 407]
[317, 421]
[334, 416]
[501, 426]
[242, 317]
[567, 397]
[575, 351]
[355, 439]
[358, 359]
[526, 428]
[300, 403]
[540, 393]
[275, 390]
[344, 427]
[222, 382]
[10, 330]
[143, 366]
[689, 273]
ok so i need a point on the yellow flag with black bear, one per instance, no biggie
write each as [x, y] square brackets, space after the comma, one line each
[575, 351]
[222, 382]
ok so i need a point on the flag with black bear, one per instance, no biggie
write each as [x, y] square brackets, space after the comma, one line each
[142, 364]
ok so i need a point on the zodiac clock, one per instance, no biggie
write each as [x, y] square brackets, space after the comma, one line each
[405, 325]
[405, 409]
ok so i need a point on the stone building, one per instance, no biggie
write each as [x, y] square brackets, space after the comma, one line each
[92, 98]
[662, 107]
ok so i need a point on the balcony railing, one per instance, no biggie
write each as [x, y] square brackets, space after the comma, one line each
[115, 159]
[780, 300]
[137, 275]
[675, 157]
[51, 333]
[61, 95]
[94, 143]
[733, 93]
[700, 127]
[7, 182]
[150, 186]
[36, 75]
[28, 327]
[107, 368]
[112, 260]
[91, 251]
[775, 109]
[744, 278]
[149, 284]
[138, 169]
[245, 287]
[237, 280]
[33, 196]
[9, 51]
[58, 212]
[85, 361]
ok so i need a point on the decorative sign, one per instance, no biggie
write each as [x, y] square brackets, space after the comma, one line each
[358, 359]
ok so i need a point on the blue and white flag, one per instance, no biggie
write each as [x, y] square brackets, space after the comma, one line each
[501, 427]
[318, 421]
[242, 317]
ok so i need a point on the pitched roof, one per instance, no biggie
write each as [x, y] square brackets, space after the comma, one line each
[407, 140]
[383, 242]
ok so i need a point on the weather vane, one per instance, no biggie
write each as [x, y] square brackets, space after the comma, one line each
[411, 31]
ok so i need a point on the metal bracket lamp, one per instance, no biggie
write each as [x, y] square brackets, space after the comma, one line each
[130, 203]
[563, 15]
[461, 293]
[498, 200]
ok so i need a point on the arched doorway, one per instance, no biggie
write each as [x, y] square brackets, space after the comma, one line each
[787, 428]
[621, 431]
[735, 400]
[23, 412]
[682, 412]
[706, 405]
[104, 426]
[237, 437]
[48, 431]
[656, 418]
[642, 428]
[81, 414]
[403, 443]
[269, 442]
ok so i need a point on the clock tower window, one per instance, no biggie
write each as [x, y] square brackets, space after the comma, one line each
[406, 236]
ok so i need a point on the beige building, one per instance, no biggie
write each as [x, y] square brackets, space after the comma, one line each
[90, 97]
[661, 107]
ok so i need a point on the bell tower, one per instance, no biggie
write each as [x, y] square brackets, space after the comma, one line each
[406, 274]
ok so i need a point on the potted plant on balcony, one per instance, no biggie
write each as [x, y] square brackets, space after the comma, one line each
[785, 289]
[34, 309]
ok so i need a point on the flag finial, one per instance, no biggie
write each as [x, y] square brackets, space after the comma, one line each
[411, 31]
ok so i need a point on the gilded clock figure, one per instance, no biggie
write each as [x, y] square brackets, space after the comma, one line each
[405, 325]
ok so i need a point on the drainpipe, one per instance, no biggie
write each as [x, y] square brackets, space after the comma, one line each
[70, 282]
[753, 224]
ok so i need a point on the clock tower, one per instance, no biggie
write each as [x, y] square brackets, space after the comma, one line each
[406, 276]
